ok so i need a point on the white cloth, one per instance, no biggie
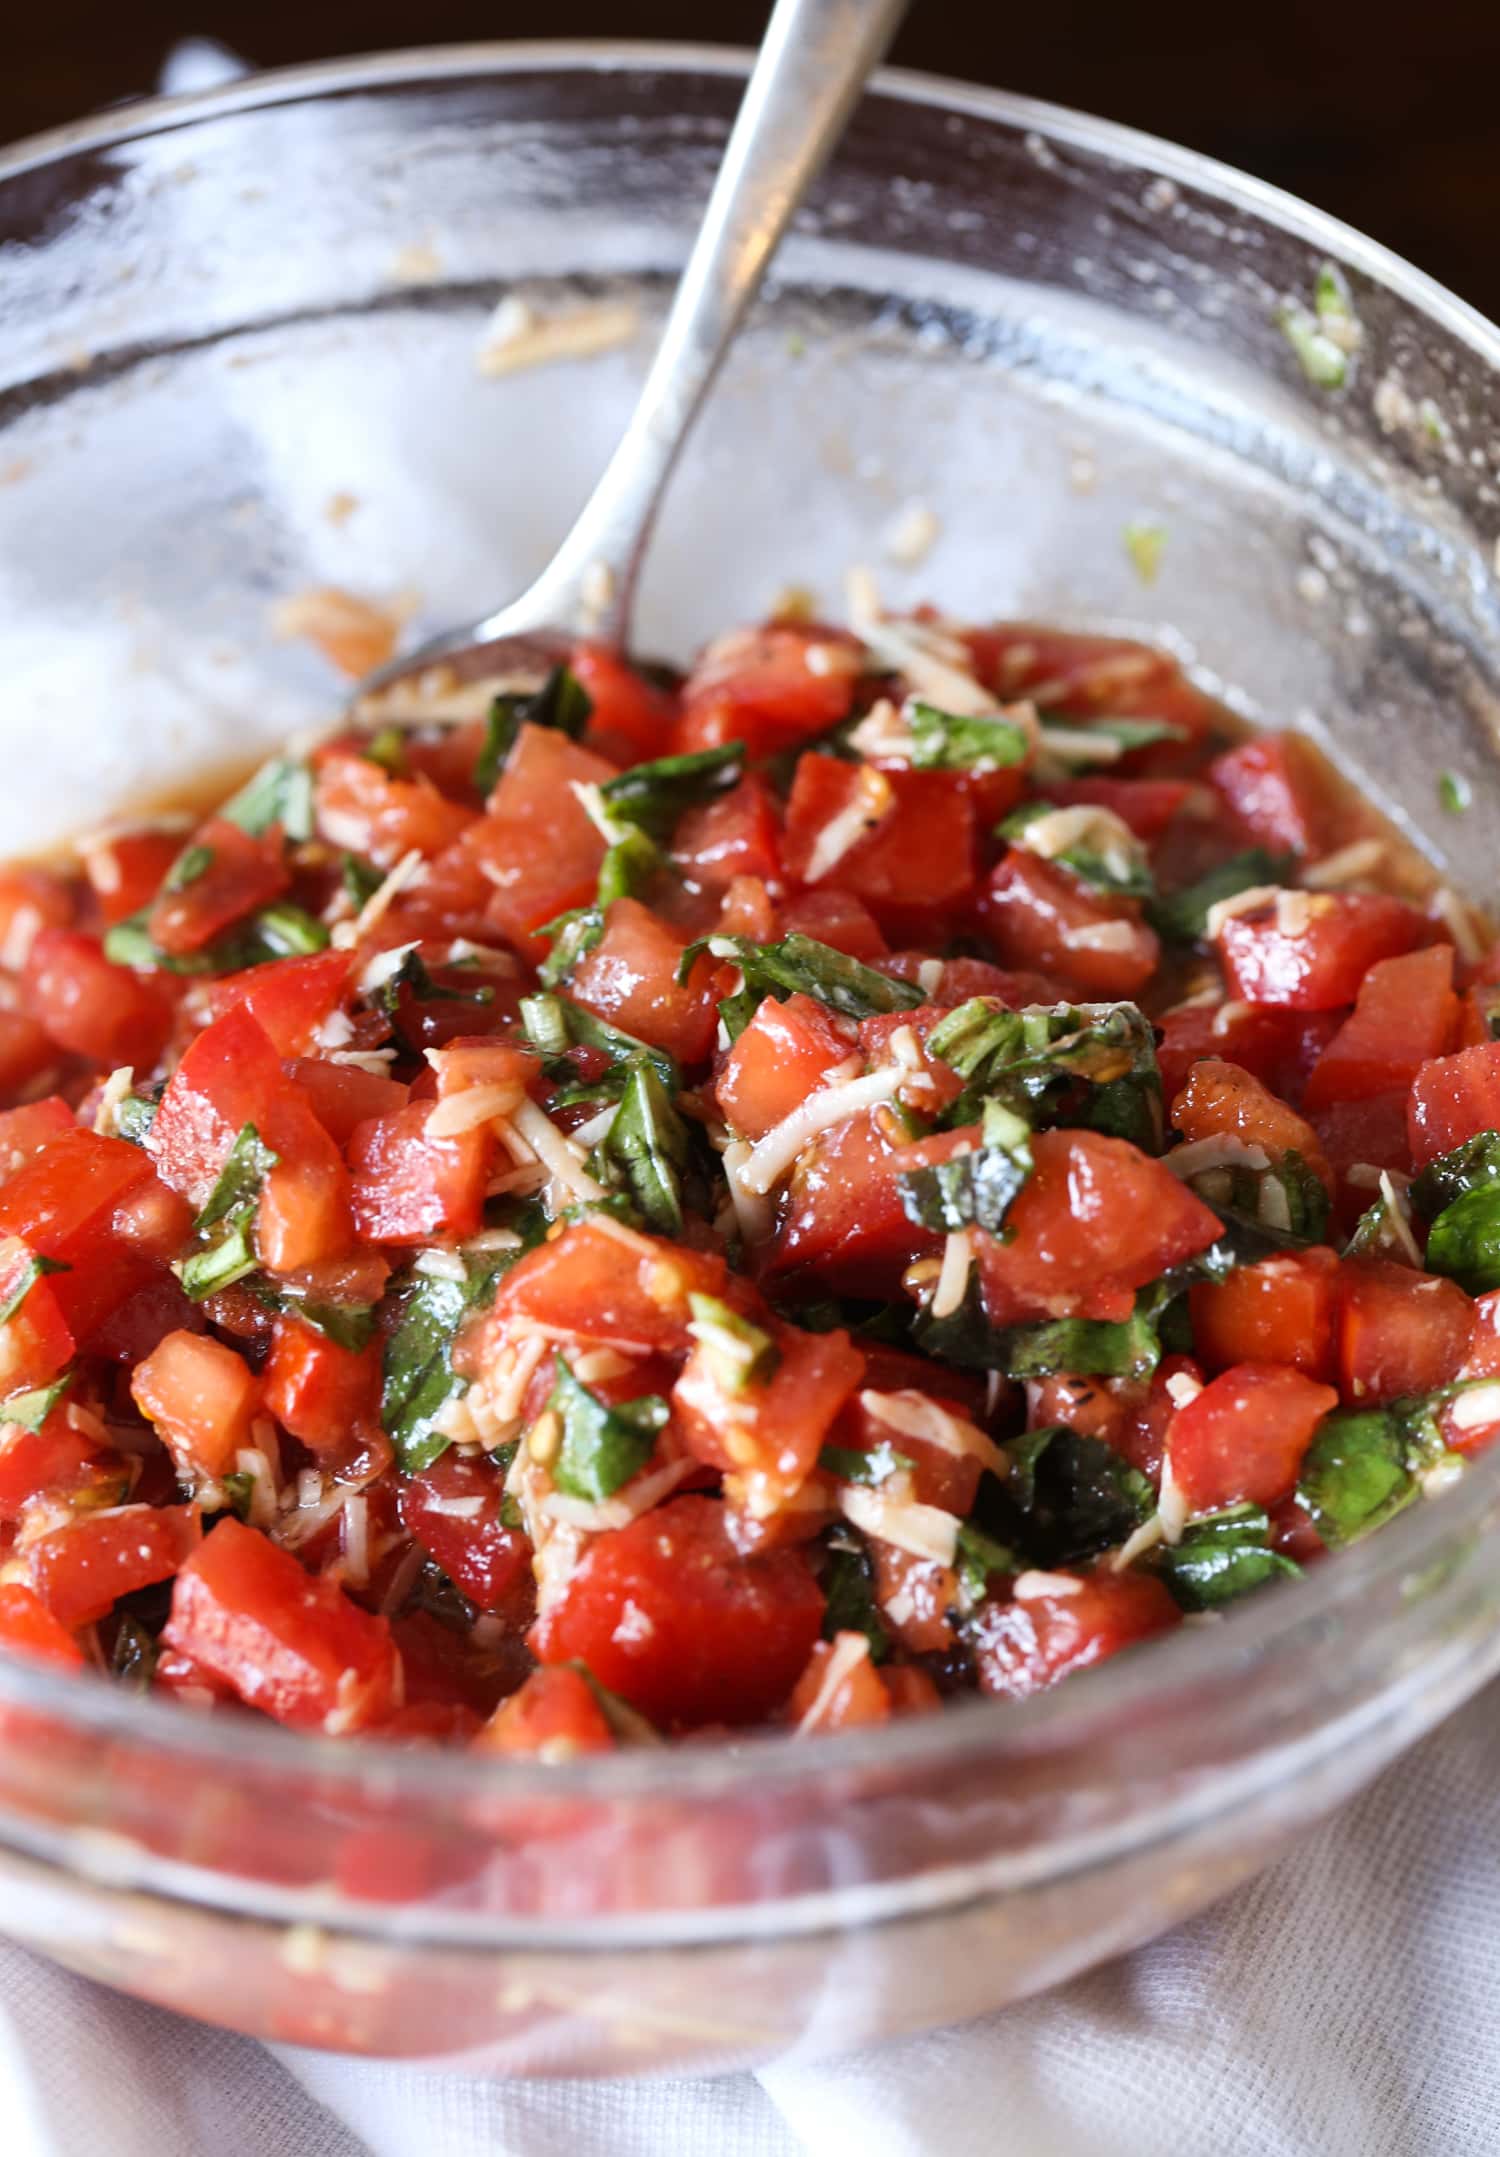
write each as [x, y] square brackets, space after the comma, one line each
[1342, 2006]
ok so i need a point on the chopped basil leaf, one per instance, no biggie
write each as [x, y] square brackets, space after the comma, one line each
[980, 1560]
[801, 964]
[361, 879]
[625, 1722]
[972, 1190]
[1454, 792]
[34, 1269]
[1322, 357]
[955, 741]
[281, 792]
[1085, 1347]
[653, 796]
[1363, 1466]
[1126, 877]
[1076, 1495]
[1464, 1241]
[602, 1447]
[574, 935]
[132, 1659]
[647, 1143]
[387, 748]
[1222, 1556]
[193, 862]
[1467, 1167]
[1181, 917]
[561, 702]
[288, 932]
[1088, 1065]
[221, 1265]
[32, 1409]
[554, 1025]
[129, 943]
[739, 1353]
[849, 1604]
[419, 1378]
[238, 1188]
[627, 867]
[134, 1116]
[849, 1465]
[240, 1491]
[348, 1325]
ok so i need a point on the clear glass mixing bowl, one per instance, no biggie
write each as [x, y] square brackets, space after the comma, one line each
[237, 357]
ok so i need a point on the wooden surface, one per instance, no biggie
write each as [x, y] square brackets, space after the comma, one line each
[1387, 120]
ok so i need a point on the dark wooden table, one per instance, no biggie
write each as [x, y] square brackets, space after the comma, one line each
[1386, 118]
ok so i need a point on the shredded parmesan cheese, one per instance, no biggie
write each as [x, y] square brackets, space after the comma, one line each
[1472, 1411]
[953, 1278]
[915, 1416]
[1202, 1154]
[1398, 1216]
[1032, 1587]
[1362, 858]
[557, 1153]
[1101, 936]
[408, 871]
[924, 1530]
[473, 1106]
[518, 336]
[1239, 902]
[849, 1650]
[1098, 831]
[116, 1087]
[830, 1104]
[1459, 922]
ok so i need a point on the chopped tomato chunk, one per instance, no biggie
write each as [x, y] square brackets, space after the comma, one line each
[93, 1008]
[1042, 916]
[735, 834]
[362, 807]
[1278, 789]
[27, 1627]
[630, 980]
[538, 849]
[1406, 1013]
[320, 1391]
[1310, 950]
[1024, 1645]
[1400, 1333]
[1284, 1310]
[290, 998]
[201, 1398]
[902, 841]
[767, 1431]
[556, 1715]
[631, 719]
[606, 1284]
[840, 1687]
[232, 875]
[457, 1511]
[81, 1571]
[786, 1052]
[770, 688]
[409, 1188]
[1222, 1101]
[1453, 1098]
[36, 1461]
[1243, 1437]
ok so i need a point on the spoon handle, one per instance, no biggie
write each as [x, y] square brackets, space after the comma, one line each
[811, 68]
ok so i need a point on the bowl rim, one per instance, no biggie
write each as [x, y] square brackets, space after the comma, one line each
[756, 1762]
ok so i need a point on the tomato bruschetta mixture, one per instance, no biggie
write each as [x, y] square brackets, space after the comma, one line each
[899, 1164]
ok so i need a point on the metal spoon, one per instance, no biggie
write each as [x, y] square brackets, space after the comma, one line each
[808, 75]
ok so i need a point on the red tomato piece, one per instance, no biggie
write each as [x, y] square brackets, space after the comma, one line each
[600, 1282]
[783, 1055]
[143, 1321]
[27, 1053]
[242, 873]
[455, 1510]
[362, 807]
[1278, 788]
[1453, 1098]
[81, 1571]
[630, 980]
[34, 1462]
[1096, 1220]
[36, 1341]
[939, 1476]
[1310, 950]
[843, 1222]
[768, 1432]
[1147, 806]
[1405, 1015]
[1022, 1646]
[290, 998]
[913, 859]
[1274, 1045]
[290, 1643]
[25, 1131]
[31, 899]
[342, 1096]
[409, 1188]
[201, 1399]
[1241, 1440]
[631, 720]
[1471, 1422]
[835, 918]
[1358, 1136]
[1283, 1310]
[1400, 1332]
[93, 1008]
[1041, 916]
[27, 1627]
[537, 849]
[839, 1695]
[556, 1716]
[1220, 1100]
[667, 1613]
[321, 1392]
[736, 834]
[61, 1204]
[127, 871]
[770, 688]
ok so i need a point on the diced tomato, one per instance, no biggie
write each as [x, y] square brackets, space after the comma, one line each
[735, 834]
[667, 1613]
[1453, 1098]
[241, 873]
[770, 688]
[201, 1399]
[917, 1598]
[290, 998]
[1310, 950]
[1221, 1100]
[1096, 1220]
[321, 1392]
[27, 1052]
[843, 1221]
[36, 1341]
[913, 850]
[1470, 1422]
[155, 1309]
[1400, 1332]
[35, 1461]
[91, 1007]
[1149, 1413]
[1041, 916]
[841, 1695]
[25, 1131]
[1069, 672]
[409, 1188]
[1243, 1437]
[606, 1284]
[1283, 1310]
[470, 1062]
[81, 1571]
[1358, 1136]
[1020, 1647]
[289, 1642]
[537, 852]
[940, 1475]
[61, 1205]
[1278, 788]
[783, 1055]
[1405, 1015]
[770, 1431]
[1275, 1045]
[933, 1083]
[126, 871]
[835, 918]
[342, 1096]
[455, 1509]
[631, 719]
[27, 1627]
[630, 980]
[31, 899]
[362, 807]
[747, 910]
[959, 979]
[555, 1715]
[1147, 806]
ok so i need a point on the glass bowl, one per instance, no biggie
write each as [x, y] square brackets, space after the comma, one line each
[238, 358]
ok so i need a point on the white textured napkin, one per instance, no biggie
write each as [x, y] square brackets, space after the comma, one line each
[1346, 2005]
